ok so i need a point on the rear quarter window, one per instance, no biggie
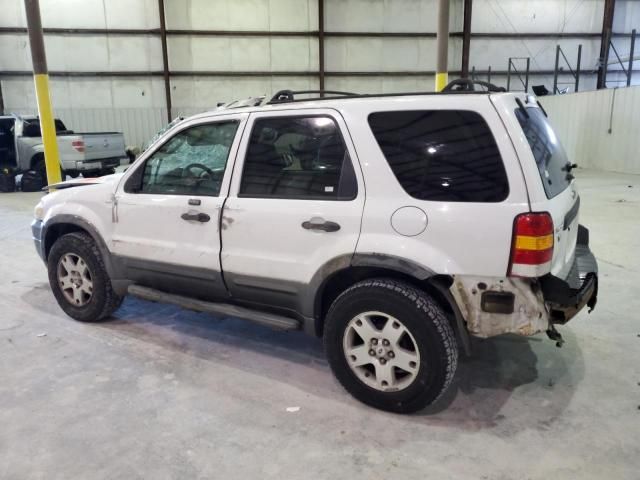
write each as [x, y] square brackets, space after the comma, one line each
[442, 155]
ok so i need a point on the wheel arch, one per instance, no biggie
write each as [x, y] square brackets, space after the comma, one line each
[62, 224]
[364, 267]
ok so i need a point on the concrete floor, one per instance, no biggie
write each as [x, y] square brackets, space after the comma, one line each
[163, 393]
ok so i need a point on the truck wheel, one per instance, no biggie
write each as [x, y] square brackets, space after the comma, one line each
[79, 279]
[390, 345]
[40, 166]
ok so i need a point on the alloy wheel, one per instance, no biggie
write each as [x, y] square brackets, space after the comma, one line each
[381, 351]
[75, 280]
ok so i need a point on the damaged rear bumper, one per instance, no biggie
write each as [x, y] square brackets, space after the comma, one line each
[527, 306]
[566, 297]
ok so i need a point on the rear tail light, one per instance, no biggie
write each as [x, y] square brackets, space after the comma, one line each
[78, 145]
[532, 247]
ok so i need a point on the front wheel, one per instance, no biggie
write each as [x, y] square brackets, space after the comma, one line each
[390, 345]
[79, 279]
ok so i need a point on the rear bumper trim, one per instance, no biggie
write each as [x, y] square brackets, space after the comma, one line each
[566, 297]
[99, 163]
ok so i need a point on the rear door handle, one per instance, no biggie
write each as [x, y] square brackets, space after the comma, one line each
[322, 226]
[195, 217]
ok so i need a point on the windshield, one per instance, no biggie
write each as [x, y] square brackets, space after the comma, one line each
[547, 150]
[161, 132]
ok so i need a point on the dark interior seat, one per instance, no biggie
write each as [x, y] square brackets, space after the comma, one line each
[262, 169]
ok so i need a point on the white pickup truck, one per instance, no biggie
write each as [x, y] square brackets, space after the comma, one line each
[92, 154]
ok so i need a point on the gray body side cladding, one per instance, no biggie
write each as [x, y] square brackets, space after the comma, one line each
[391, 262]
[296, 300]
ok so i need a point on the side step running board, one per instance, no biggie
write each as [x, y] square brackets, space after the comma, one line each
[267, 319]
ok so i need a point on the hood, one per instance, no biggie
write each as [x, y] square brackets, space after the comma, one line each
[79, 182]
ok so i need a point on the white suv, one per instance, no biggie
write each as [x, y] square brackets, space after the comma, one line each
[393, 226]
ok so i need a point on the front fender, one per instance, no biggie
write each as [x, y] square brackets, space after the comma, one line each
[88, 208]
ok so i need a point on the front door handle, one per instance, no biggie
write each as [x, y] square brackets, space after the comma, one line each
[195, 217]
[322, 226]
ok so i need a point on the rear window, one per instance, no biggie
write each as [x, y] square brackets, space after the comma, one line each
[442, 155]
[547, 150]
[31, 127]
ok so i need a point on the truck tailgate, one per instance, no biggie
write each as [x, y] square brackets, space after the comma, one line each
[103, 145]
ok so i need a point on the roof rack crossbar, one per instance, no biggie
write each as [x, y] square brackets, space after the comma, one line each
[284, 96]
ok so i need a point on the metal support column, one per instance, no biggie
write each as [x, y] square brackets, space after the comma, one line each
[578, 64]
[607, 25]
[165, 60]
[321, 47]
[629, 70]
[442, 45]
[41, 79]
[466, 37]
[555, 70]
[1, 100]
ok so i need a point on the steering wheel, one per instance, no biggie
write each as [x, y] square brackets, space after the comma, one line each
[202, 167]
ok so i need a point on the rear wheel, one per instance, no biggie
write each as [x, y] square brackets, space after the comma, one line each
[390, 345]
[40, 166]
[79, 279]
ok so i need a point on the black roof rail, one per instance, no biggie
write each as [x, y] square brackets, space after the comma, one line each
[468, 85]
[459, 86]
[284, 96]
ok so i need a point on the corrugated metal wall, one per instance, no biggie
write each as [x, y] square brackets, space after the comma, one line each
[582, 120]
[138, 124]
[599, 129]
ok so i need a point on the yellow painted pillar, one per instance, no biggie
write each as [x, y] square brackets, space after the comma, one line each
[442, 45]
[442, 79]
[41, 80]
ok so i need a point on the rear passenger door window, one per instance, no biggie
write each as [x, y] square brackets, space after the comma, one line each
[297, 157]
[442, 155]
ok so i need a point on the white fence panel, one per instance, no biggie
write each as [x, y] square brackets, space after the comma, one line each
[599, 129]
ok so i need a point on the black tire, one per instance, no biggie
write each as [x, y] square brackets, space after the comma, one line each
[422, 317]
[40, 166]
[103, 301]
[31, 181]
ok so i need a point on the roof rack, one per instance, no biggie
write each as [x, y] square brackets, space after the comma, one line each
[284, 96]
[459, 86]
[469, 85]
